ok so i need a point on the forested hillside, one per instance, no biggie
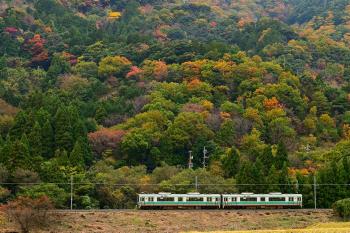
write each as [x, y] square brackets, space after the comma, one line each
[116, 93]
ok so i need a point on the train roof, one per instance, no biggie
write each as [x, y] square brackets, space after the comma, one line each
[225, 195]
[179, 195]
[261, 195]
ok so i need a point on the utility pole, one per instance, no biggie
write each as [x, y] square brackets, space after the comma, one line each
[315, 194]
[307, 148]
[190, 163]
[205, 157]
[71, 192]
[196, 183]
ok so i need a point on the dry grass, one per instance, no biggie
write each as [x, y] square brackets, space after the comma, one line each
[188, 221]
[332, 230]
[331, 227]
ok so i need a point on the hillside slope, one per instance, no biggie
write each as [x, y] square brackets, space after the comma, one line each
[119, 92]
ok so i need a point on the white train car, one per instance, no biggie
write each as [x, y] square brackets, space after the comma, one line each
[218, 201]
[271, 200]
[169, 201]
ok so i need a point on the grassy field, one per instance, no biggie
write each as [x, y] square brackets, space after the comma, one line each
[193, 221]
[331, 227]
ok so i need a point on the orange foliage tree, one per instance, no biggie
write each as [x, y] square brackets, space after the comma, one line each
[37, 49]
[272, 103]
[134, 72]
[155, 69]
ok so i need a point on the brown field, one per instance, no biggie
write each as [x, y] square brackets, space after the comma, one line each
[331, 227]
[184, 221]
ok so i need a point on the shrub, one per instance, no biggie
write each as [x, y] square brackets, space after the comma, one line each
[58, 196]
[342, 208]
[28, 213]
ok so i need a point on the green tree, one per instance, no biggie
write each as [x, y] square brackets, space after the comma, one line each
[272, 180]
[230, 163]
[86, 69]
[187, 130]
[267, 158]
[100, 114]
[281, 156]
[76, 157]
[246, 177]
[284, 181]
[280, 130]
[61, 157]
[57, 195]
[63, 129]
[21, 125]
[47, 138]
[18, 155]
[226, 135]
[259, 177]
[58, 66]
[35, 141]
[113, 66]
[5, 150]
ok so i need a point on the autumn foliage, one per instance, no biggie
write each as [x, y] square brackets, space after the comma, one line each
[36, 46]
[104, 139]
[134, 72]
[272, 103]
[28, 213]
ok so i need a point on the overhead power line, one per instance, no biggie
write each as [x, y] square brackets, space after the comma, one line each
[140, 184]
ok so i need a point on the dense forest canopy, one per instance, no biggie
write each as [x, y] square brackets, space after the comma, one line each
[119, 91]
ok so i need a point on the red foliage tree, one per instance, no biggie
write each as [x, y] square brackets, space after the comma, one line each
[134, 72]
[11, 30]
[37, 49]
[104, 139]
[213, 24]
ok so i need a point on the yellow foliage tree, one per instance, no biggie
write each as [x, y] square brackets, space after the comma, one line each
[114, 15]
[346, 131]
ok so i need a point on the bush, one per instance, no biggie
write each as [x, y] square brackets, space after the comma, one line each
[57, 195]
[342, 208]
[29, 213]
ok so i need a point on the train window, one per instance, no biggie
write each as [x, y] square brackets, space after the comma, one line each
[234, 199]
[150, 199]
[195, 198]
[217, 199]
[262, 198]
[142, 199]
[277, 199]
[179, 199]
[291, 199]
[225, 199]
[299, 198]
[209, 199]
[249, 199]
[166, 199]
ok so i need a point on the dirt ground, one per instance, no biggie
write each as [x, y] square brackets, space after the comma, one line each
[181, 221]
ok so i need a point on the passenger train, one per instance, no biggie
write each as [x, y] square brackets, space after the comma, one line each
[218, 201]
